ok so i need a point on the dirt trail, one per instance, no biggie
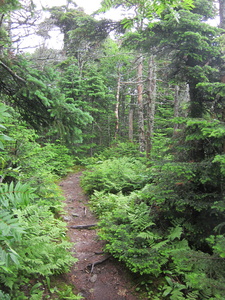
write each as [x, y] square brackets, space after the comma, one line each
[105, 281]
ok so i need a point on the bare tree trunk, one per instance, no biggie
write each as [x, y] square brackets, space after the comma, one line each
[176, 107]
[222, 13]
[117, 103]
[222, 71]
[1, 25]
[131, 121]
[151, 98]
[141, 129]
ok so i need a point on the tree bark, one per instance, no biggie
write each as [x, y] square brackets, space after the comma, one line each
[117, 103]
[176, 107]
[151, 98]
[222, 71]
[131, 122]
[141, 130]
[222, 13]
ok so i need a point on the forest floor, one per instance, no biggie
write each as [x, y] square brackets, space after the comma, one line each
[96, 275]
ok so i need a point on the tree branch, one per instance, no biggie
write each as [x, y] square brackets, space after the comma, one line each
[14, 75]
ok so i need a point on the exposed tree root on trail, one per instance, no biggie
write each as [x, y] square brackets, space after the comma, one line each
[95, 278]
[97, 263]
[83, 226]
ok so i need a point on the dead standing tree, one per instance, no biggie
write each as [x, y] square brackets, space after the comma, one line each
[117, 101]
[141, 129]
[150, 103]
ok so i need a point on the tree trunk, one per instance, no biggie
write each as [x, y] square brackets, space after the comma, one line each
[117, 103]
[196, 101]
[141, 130]
[151, 98]
[1, 25]
[222, 68]
[131, 122]
[222, 13]
[176, 107]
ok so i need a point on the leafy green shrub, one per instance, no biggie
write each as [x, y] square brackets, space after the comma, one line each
[33, 242]
[120, 149]
[132, 237]
[159, 249]
[35, 161]
[57, 158]
[116, 150]
[103, 203]
[114, 175]
[24, 159]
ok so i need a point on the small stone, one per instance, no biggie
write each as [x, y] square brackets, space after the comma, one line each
[65, 218]
[75, 215]
[93, 278]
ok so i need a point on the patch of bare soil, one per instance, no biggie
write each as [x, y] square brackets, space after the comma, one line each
[96, 275]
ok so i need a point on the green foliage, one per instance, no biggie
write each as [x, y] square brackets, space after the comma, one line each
[66, 292]
[34, 241]
[221, 160]
[9, 6]
[166, 221]
[120, 149]
[43, 249]
[3, 115]
[103, 202]
[144, 9]
[50, 110]
[4, 296]
[16, 195]
[27, 159]
[86, 89]
[82, 33]
[158, 230]
[135, 237]
[10, 231]
[120, 174]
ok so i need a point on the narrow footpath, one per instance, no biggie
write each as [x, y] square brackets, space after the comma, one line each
[96, 275]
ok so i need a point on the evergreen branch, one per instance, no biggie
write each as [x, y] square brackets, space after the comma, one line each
[14, 75]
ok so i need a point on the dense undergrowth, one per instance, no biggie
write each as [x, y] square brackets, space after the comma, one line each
[165, 219]
[34, 249]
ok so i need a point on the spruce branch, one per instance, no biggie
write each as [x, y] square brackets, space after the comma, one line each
[14, 75]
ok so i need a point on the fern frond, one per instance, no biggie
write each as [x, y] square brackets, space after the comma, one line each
[10, 231]
[15, 195]
[147, 235]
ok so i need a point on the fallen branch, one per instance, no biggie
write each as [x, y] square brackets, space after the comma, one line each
[83, 226]
[98, 263]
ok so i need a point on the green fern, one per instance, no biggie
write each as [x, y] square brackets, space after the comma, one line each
[4, 296]
[139, 218]
[15, 195]
[44, 249]
[10, 232]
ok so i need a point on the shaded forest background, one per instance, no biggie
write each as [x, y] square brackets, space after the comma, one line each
[140, 104]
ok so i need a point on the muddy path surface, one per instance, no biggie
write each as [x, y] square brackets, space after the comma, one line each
[96, 275]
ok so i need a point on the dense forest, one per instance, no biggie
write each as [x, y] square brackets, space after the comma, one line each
[140, 105]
